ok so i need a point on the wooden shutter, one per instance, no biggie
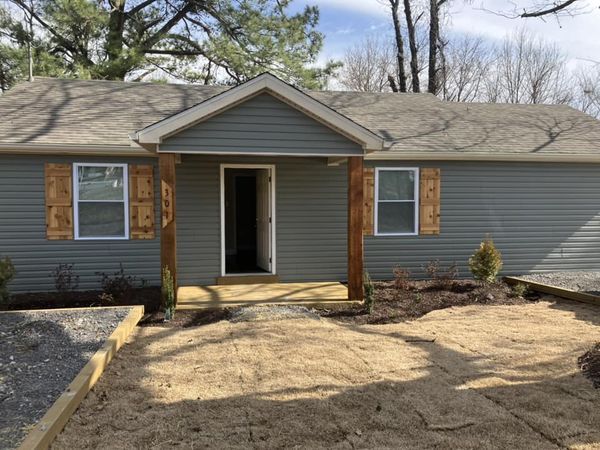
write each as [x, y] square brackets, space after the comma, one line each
[59, 201]
[141, 202]
[369, 201]
[429, 192]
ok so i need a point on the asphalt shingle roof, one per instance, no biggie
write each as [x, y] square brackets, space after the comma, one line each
[76, 112]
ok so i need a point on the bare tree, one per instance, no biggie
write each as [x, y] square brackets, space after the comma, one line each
[399, 41]
[366, 66]
[468, 61]
[413, 45]
[531, 71]
[587, 90]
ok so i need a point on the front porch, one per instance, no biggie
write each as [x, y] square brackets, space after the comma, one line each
[264, 164]
[306, 294]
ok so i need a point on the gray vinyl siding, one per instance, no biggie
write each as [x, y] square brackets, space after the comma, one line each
[23, 232]
[264, 125]
[310, 218]
[543, 217]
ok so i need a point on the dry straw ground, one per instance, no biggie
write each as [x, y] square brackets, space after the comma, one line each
[469, 377]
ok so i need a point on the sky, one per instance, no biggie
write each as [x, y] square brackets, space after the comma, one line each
[346, 22]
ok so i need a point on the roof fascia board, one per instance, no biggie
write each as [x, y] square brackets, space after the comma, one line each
[263, 83]
[253, 153]
[75, 149]
[490, 157]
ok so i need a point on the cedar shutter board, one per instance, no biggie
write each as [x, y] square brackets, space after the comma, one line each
[59, 201]
[369, 201]
[429, 203]
[141, 202]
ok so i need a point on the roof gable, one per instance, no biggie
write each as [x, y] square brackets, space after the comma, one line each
[265, 83]
[261, 125]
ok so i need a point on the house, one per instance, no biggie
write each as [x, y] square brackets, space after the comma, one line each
[268, 181]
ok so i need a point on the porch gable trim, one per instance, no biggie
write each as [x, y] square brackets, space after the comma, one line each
[155, 133]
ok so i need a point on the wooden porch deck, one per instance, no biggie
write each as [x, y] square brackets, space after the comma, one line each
[200, 297]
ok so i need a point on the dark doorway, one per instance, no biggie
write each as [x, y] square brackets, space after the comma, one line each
[242, 221]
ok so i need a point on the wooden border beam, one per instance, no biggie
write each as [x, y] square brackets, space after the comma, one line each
[55, 419]
[355, 228]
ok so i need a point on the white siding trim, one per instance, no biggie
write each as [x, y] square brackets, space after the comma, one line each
[271, 168]
[416, 200]
[76, 166]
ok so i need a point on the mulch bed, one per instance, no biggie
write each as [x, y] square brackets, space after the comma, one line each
[418, 298]
[589, 363]
[41, 353]
[186, 318]
[147, 296]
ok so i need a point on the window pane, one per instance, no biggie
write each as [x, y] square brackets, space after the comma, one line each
[396, 217]
[101, 219]
[100, 183]
[396, 185]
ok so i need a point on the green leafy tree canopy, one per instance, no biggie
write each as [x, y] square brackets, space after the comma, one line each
[208, 41]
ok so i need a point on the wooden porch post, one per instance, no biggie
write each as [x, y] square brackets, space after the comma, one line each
[355, 228]
[168, 235]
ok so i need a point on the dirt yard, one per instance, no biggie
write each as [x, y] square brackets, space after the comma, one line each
[468, 377]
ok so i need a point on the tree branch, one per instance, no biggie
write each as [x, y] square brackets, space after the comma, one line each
[553, 10]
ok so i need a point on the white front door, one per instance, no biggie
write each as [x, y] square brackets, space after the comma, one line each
[263, 219]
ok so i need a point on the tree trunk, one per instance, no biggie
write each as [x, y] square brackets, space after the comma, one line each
[434, 33]
[414, 52]
[114, 39]
[399, 46]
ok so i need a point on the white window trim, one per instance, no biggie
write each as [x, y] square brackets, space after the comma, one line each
[416, 199]
[76, 200]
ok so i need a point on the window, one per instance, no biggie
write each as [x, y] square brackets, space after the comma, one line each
[100, 200]
[396, 195]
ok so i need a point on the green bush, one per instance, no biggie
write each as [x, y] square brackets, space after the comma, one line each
[520, 290]
[168, 293]
[369, 293]
[7, 273]
[486, 262]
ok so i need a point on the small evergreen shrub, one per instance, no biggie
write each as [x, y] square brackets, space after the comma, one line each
[168, 293]
[486, 262]
[7, 273]
[65, 279]
[369, 289]
[520, 290]
[401, 278]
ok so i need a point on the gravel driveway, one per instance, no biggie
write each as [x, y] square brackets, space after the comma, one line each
[41, 353]
[587, 282]
[471, 377]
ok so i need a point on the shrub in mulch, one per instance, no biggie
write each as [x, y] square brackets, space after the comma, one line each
[394, 305]
[148, 296]
[589, 363]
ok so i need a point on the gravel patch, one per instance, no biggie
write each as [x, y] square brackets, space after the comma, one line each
[587, 282]
[41, 353]
[262, 313]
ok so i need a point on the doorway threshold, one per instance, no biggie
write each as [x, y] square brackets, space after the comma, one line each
[248, 279]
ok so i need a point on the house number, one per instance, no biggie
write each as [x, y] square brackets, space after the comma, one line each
[167, 204]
